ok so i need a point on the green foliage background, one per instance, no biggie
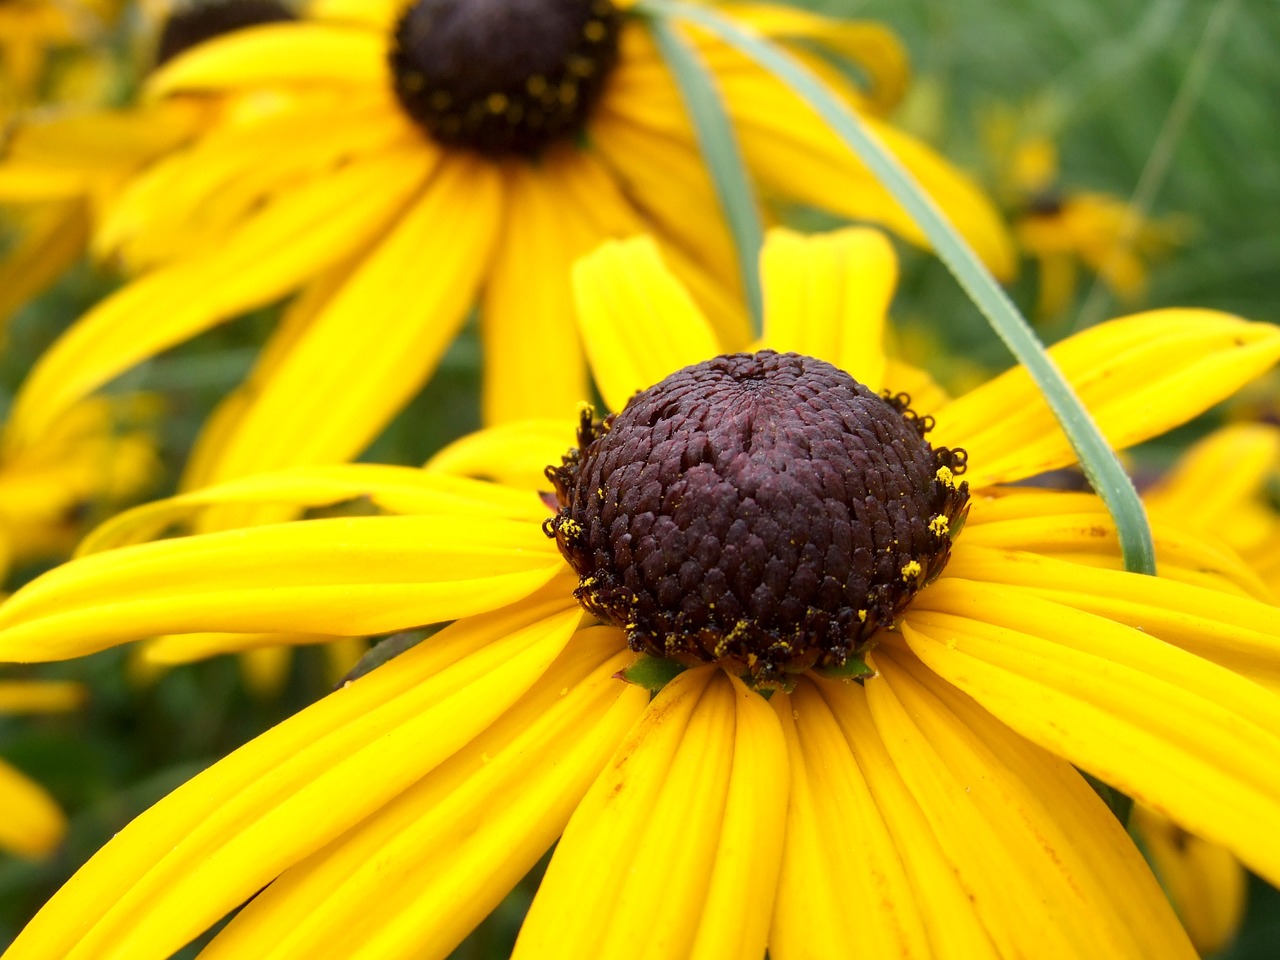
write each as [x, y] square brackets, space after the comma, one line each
[1099, 76]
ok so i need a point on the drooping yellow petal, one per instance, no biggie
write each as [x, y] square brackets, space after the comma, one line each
[827, 296]
[1241, 633]
[381, 335]
[672, 187]
[461, 837]
[1185, 736]
[1035, 847]
[351, 576]
[860, 862]
[277, 54]
[1206, 883]
[41, 696]
[32, 824]
[265, 669]
[299, 235]
[1138, 376]
[534, 365]
[216, 840]
[515, 454]
[793, 154]
[394, 489]
[638, 322]
[691, 804]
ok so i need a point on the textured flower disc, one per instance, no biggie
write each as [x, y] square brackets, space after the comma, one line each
[503, 76]
[764, 510]
[194, 23]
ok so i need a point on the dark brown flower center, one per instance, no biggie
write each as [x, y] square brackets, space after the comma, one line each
[191, 25]
[765, 510]
[503, 76]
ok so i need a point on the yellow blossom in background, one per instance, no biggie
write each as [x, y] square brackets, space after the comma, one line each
[32, 824]
[1061, 228]
[31, 29]
[937, 794]
[395, 200]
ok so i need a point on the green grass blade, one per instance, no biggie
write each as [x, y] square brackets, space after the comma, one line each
[720, 151]
[1098, 460]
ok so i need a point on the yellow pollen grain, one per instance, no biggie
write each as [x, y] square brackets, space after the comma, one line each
[594, 30]
[571, 528]
[945, 477]
[911, 570]
[939, 526]
[497, 102]
[862, 616]
[568, 93]
[536, 85]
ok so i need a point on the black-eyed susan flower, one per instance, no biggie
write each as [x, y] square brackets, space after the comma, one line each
[757, 523]
[32, 824]
[1061, 229]
[61, 169]
[435, 155]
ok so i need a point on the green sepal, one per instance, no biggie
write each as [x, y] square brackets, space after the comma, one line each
[652, 673]
[386, 649]
[855, 668]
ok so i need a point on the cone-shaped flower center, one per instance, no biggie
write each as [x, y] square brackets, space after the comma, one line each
[762, 510]
[194, 23]
[503, 76]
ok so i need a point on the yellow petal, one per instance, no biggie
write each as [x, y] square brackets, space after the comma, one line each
[860, 862]
[515, 454]
[1206, 883]
[380, 337]
[1186, 737]
[49, 242]
[222, 836]
[461, 837]
[534, 365]
[686, 817]
[265, 670]
[394, 489]
[638, 323]
[1238, 632]
[351, 576]
[40, 696]
[827, 296]
[32, 824]
[1138, 376]
[273, 54]
[280, 248]
[189, 647]
[1035, 847]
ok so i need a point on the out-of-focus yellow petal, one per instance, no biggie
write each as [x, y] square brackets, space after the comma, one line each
[276, 54]
[352, 576]
[1185, 736]
[32, 824]
[265, 669]
[638, 322]
[41, 696]
[179, 648]
[381, 335]
[274, 252]
[827, 296]
[50, 241]
[1138, 376]
[461, 837]
[691, 803]
[1206, 883]
[515, 454]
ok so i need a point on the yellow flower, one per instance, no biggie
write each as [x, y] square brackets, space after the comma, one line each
[98, 456]
[1062, 228]
[61, 169]
[32, 824]
[931, 808]
[29, 29]
[394, 198]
